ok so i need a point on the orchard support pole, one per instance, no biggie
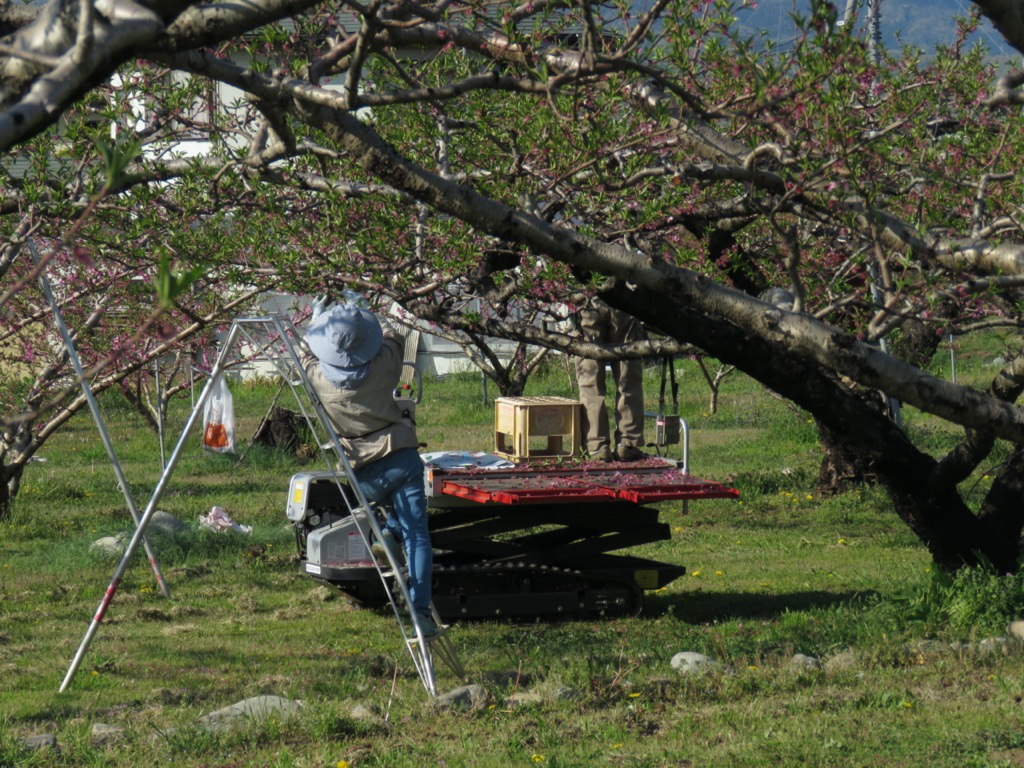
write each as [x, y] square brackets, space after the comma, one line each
[122, 567]
[76, 363]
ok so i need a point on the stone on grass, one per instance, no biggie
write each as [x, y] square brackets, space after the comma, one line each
[524, 698]
[843, 661]
[102, 733]
[803, 663]
[40, 741]
[255, 708]
[554, 690]
[165, 522]
[689, 662]
[992, 646]
[365, 714]
[160, 524]
[466, 697]
[1015, 629]
[109, 546]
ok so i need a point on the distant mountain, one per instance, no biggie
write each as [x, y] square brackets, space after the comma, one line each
[920, 23]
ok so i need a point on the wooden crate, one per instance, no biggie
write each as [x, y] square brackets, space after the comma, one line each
[536, 427]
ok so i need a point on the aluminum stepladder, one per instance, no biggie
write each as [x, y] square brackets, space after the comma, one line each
[287, 361]
[422, 651]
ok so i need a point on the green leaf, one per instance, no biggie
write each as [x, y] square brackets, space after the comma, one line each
[116, 157]
[170, 285]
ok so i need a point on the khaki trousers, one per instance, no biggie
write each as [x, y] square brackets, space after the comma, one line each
[604, 325]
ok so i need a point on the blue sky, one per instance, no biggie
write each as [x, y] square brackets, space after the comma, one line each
[923, 23]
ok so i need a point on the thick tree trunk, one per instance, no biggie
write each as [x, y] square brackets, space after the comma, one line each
[841, 468]
[509, 384]
[1003, 510]
[866, 443]
[10, 479]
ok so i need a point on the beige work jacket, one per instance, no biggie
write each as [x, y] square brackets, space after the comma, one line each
[367, 419]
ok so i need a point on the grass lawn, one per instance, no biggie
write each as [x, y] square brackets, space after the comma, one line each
[905, 677]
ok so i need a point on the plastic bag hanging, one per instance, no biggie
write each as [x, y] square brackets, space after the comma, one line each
[219, 419]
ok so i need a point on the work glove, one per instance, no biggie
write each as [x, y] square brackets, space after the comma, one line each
[319, 305]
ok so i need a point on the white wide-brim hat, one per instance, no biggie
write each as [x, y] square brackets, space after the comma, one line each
[345, 336]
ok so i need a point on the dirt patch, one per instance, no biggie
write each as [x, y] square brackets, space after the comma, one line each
[1011, 756]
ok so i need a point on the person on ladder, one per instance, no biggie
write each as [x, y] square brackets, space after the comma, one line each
[602, 324]
[354, 367]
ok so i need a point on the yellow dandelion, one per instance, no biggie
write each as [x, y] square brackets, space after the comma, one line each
[696, 573]
[341, 764]
[752, 666]
[810, 497]
[719, 573]
[537, 758]
[841, 541]
[907, 705]
[634, 695]
[617, 746]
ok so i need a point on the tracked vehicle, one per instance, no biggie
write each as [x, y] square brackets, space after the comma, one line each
[529, 539]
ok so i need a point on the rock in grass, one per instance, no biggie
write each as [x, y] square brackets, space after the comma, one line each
[40, 741]
[255, 708]
[993, 646]
[844, 661]
[101, 733]
[690, 662]
[160, 524]
[803, 663]
[1015, 629]
[523, 699]
[466, 697]
[165, 522]
[109, 546]
[366, 713]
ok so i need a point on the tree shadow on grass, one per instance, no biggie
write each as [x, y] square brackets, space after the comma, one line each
[704, 607]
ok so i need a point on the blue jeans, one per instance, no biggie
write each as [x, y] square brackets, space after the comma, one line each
[396, 481]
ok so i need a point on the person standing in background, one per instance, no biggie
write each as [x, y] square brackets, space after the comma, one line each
[602, 324]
